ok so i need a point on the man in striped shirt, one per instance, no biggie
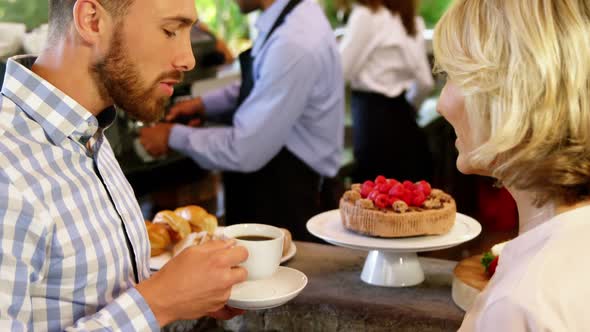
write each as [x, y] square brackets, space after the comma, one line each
[73, 246]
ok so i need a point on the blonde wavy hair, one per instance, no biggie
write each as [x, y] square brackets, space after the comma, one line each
[524, 68]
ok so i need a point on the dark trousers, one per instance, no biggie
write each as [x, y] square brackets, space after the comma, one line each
[387, 141]
[284, 193]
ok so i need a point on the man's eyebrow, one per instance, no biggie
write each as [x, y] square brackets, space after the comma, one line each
[183, 20]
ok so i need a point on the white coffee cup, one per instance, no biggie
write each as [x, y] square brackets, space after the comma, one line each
[264, 256]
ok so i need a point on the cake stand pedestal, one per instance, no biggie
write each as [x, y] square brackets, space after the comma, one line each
[391, 262]
[392, 269]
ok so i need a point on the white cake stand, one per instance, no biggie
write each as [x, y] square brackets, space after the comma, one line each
[391, 262]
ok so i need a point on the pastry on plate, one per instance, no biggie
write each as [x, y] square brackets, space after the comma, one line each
[179, 226]
[287, 239]
[185, 226]
[389, 208]
[198, 218]
[159, 237]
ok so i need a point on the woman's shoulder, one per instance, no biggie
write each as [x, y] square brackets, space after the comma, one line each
[556, 272]
[420, 25]
[362, 12]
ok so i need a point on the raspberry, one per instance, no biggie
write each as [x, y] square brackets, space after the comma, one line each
[383, 188]
[365, 191]
[408, 197]
[419, 198]
[373, 195]
[382, 201]
[424, 187]
[492, 267]
[380, 179]
[409, 185]
[397, 190]
[366, 188]
[392, 182]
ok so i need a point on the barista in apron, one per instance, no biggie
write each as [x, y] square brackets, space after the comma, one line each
[292, 121]
[286, 191]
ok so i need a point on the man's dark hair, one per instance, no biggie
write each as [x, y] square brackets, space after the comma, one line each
[60, 12]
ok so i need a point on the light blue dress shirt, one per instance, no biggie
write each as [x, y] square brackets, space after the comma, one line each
[297, 101]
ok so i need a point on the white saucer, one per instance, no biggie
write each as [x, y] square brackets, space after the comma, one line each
[157, 262]
[283, 286]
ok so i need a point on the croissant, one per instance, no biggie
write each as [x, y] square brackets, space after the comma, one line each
[286, 240]
[159, 238]
[198, 218]
[190, 240]
[180, 228]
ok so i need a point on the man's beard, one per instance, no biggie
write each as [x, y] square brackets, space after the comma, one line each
[118, 79]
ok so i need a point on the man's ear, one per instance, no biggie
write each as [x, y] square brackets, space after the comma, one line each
[92, 22]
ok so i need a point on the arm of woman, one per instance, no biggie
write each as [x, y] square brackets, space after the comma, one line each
[503, 314]
[356, 43]
[424, 81]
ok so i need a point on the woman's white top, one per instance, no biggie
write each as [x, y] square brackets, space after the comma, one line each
[379, 56]
[542, 282]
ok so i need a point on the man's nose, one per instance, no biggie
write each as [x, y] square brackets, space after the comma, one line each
[185, 60]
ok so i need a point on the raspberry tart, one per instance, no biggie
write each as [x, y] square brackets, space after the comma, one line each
[389, 208]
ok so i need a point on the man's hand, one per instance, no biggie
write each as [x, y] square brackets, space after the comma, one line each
[226, 313]
[196, 283]
[155, 139]
[187, 111]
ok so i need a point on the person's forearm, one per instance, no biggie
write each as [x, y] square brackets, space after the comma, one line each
[221, 101]
[153, 299]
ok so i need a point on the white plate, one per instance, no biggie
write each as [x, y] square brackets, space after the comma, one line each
[328, 227]
[157, 262]
[277, 290]
[290, 253]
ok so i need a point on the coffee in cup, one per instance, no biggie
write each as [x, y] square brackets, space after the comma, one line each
[264, 244]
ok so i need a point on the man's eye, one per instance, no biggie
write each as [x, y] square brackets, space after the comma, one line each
[169, 34]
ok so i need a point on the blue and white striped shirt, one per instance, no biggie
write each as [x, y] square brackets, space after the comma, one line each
[65, 210]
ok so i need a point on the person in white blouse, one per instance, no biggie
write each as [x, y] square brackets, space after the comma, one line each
[518, 97]
[384, 59]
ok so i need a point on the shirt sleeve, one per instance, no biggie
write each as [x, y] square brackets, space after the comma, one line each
[263, 122]
[501, 315]
[23, 244]
[222, 101]
[355, 46]
[424, 81]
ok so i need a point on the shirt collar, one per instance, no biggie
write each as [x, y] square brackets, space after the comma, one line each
[268, 17]
[57, 113]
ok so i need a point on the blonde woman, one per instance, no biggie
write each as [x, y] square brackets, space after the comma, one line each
[384, 59]
[518, 96]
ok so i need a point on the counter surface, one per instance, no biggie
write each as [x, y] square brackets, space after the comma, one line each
[336, 299]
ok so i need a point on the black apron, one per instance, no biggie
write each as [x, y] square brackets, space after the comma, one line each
[387, 140]
[285, 192]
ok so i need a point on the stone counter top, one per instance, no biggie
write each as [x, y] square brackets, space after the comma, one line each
[336, 299]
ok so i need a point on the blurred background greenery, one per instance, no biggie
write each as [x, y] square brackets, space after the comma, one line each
[222, 16]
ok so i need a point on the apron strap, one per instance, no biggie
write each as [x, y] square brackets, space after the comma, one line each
[290, 6]
[247, 61]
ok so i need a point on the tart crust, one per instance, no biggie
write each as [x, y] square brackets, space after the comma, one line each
[387, 223]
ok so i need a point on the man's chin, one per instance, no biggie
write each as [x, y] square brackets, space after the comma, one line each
[147, 113]
[150, 118]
